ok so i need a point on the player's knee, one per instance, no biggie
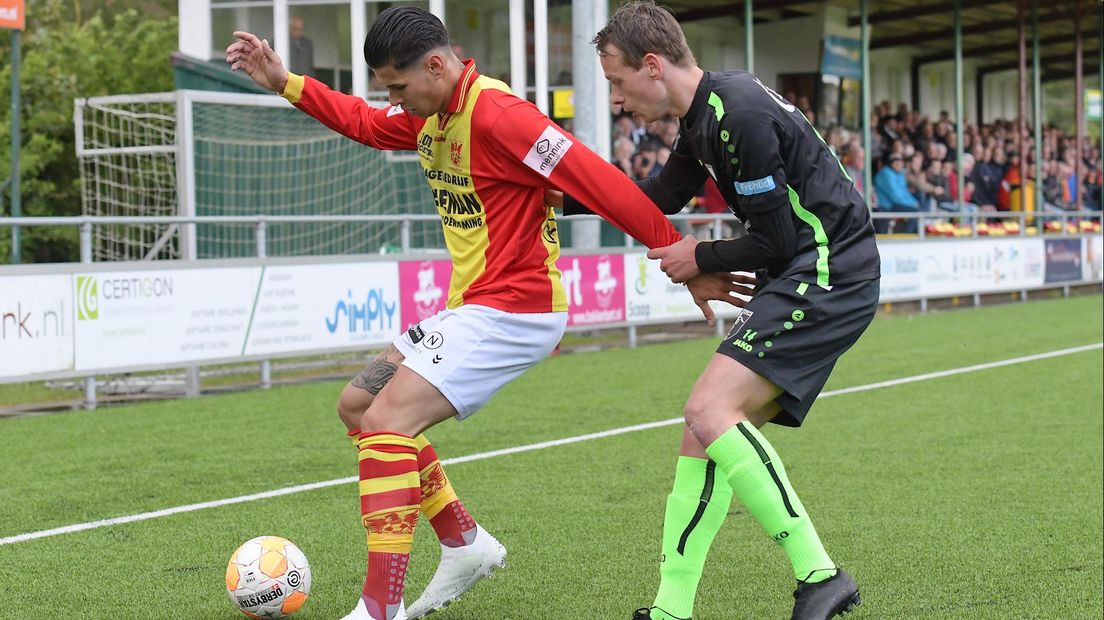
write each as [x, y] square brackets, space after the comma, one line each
[372, 420]
[707, 419]
[351, 404]
[695, 412]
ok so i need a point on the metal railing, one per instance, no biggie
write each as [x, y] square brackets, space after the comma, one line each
[977, 223]
[260, 224]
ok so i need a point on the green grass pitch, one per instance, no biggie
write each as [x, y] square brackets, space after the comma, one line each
[977, 495]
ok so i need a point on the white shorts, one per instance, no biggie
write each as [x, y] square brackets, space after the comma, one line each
[471, 352]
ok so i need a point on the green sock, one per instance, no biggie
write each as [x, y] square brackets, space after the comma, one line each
[759, 480]
[696, 508]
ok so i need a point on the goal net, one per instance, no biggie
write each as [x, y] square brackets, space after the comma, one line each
[211, 153]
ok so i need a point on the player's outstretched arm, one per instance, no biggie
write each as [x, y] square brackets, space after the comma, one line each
[390, 129]
[254, 56]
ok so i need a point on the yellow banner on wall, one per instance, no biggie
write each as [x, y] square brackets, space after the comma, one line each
[563, 103]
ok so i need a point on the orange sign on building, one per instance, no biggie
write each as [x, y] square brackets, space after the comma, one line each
[11, 15]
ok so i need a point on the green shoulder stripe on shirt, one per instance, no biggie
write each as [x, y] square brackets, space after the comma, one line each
[717, 105]
[818, 234]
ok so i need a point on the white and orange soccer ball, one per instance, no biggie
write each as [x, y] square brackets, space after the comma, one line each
[268, 577]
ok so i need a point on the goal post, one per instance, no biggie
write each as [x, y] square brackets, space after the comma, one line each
[213, 153]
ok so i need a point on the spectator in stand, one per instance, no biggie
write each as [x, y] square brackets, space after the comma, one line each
[854, 158]
[926, 194]
[301, 59]
[623, 127]
[666, 130]
[967, 188]
[876, 142]
[635, 128]
[623, 151]
[1093, 179]
[945, 119]
[837, 140]
[887, 127]
[806, 108]
[941, 183]
[987, 178]
[932, 152]
[645, 163]
[1069, 158]
[1010, 197]
[893, 195]
[1093, 187]
[950, 148]
[662, 153]
[924, 136]
[1055, 192]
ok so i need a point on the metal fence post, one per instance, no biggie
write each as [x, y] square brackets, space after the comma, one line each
[260, 236]
[404, 235]
[86, 259]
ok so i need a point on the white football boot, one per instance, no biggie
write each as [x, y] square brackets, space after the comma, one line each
[460, 569]
[361, 612]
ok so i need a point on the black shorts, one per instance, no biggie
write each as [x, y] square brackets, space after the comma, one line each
[792, 333]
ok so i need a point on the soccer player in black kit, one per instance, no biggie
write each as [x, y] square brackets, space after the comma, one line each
[810, 241]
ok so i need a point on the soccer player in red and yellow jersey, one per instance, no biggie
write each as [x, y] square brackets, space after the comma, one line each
[489, 157]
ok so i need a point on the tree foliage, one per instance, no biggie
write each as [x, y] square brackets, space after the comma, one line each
[67, 53]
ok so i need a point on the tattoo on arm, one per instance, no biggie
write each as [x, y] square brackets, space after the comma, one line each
[378, 372]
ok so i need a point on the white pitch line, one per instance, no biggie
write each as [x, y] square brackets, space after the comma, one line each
[145, 516]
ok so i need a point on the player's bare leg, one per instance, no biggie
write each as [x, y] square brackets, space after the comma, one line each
[469, 553]
[390, 491]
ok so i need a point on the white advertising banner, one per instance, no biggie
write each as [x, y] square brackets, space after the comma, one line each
[36, 324]
[138, 318]
[651, 296]
[1092, 267]
[102, 321]
[915, 269]
[308, 307]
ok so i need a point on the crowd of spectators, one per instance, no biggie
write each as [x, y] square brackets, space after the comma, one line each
[641, 150]
[914, 165]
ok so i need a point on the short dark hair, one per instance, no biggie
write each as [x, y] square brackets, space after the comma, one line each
[640, 27]
[401, 35]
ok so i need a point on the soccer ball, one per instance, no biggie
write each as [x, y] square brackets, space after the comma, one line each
[268, 577]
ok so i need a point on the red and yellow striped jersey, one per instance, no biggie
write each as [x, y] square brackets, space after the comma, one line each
[488, 160]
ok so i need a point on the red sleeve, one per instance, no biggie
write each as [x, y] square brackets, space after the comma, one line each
[389, 129]
[535, 151]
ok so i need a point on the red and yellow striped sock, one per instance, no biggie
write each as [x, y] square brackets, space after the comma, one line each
[389, 497]
[446, 513]
[454, 526]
